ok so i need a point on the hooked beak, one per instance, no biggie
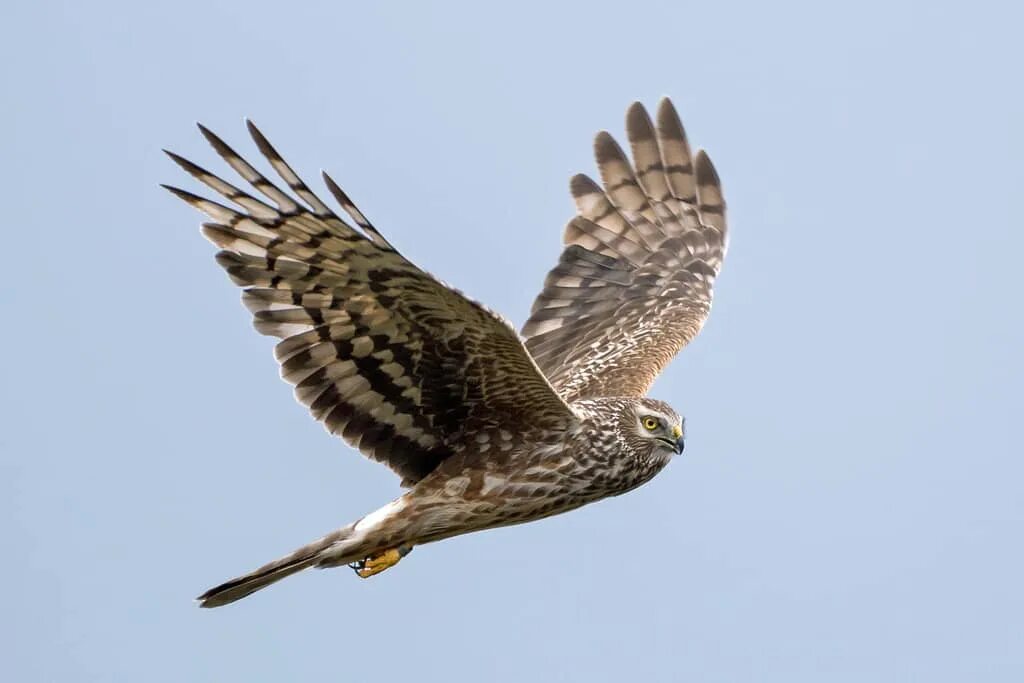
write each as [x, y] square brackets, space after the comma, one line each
[677, 432]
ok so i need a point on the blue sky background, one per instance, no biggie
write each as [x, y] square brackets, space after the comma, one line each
[850, 504]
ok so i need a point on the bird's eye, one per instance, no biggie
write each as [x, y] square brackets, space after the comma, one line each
[650, 424]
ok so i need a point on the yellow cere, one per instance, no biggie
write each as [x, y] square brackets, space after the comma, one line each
[677, 431]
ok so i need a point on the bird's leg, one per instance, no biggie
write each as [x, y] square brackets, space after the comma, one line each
[378, 562]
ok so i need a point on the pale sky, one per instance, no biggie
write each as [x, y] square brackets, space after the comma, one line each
[849, 507]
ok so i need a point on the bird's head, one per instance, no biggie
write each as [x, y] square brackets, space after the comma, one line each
[657, 427]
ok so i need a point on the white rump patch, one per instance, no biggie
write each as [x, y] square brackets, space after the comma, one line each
[378, 516]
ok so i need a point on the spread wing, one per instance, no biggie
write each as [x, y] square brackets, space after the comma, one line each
[634, 283]
[400, 365]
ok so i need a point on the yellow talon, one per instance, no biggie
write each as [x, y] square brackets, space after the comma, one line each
[375, 564]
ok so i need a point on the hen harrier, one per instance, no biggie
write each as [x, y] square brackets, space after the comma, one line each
[485, 427]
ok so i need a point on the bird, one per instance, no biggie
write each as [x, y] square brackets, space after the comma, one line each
[485, 426]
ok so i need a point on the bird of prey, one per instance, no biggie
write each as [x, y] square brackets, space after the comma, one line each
[485, 427]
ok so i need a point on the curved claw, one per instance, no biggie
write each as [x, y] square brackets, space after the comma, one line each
[378, 562]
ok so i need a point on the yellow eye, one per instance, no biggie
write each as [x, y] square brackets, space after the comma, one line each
[650, 424]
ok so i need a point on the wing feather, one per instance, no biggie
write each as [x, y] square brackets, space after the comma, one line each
[397, 363]
[634, 283]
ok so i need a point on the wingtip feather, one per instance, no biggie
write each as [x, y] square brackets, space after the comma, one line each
[185, 164]
[638, 122]
[581, 184]
[706, 173]
[179, 193]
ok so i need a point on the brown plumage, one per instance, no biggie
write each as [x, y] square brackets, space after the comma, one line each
[484, 427]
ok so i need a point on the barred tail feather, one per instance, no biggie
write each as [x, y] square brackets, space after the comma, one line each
[379, 530]
[303, 558]
[238, 588]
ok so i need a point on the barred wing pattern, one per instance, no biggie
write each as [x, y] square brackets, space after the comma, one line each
[634, 283]
[397, 363]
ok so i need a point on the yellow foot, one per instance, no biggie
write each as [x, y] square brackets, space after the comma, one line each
[375, 564]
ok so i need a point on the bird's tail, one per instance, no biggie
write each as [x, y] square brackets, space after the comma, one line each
[239, 587]
[348, 544]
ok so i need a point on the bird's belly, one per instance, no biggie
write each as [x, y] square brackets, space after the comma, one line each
[479, 500]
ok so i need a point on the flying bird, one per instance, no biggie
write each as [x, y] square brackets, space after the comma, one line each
[485, 427]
